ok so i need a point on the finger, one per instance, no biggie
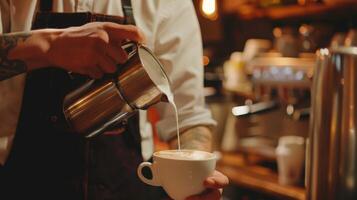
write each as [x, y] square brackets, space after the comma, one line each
[217, 180]
[118, 32]
[212, 194]
[117, 54]
[114, 52]
[106, 64]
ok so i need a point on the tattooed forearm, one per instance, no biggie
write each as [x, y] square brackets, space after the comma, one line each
[11, 67]
[199, 138]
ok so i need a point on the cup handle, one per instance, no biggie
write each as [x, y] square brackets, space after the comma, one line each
[154, 181]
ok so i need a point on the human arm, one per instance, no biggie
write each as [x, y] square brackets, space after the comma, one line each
[92, 49]
[179, 48]
[198, 138]
[10, 67]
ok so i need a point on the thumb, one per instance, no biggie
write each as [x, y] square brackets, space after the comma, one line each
[216, 181]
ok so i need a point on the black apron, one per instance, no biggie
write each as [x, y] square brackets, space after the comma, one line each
[47, 162]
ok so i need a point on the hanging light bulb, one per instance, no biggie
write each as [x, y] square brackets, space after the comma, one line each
[209, 9]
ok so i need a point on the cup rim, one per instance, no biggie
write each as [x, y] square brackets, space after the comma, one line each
[212, 155]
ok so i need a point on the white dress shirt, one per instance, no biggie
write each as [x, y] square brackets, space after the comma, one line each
[172, 33]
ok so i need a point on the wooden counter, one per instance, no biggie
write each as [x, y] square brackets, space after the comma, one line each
[257, 178]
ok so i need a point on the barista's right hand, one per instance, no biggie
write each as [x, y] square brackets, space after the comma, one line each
[92, 49]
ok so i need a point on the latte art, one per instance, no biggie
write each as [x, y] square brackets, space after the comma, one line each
[180, 172]
[184, 155]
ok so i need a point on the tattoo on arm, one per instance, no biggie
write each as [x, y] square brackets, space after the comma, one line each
[9, 68]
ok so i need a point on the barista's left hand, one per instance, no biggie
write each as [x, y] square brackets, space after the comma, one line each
[214, 185]
[200, 138]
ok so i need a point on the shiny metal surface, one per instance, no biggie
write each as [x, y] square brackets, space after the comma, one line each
[253, 108]
[135, 84]
[93, 107]
[282, 71]
[101, 104]
[332, 164]
[278, 83]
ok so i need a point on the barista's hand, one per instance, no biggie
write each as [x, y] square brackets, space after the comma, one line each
[214, 185]
[92, 49]
[200, 138]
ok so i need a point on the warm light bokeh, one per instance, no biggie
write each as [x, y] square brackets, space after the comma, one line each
[209, 9]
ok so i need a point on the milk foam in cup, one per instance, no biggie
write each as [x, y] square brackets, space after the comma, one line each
[180, 172]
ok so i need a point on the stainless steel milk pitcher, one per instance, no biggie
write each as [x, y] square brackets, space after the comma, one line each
[101, 104]
[332, 166]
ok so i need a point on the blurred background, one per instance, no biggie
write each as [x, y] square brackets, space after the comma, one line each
[259, 58]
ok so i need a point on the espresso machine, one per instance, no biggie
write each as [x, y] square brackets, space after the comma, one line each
[279, 104]
[332, 146]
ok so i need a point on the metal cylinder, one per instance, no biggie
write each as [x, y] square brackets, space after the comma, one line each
[101, 104]
[332, 164]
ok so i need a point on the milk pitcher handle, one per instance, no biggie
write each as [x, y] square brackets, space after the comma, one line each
[130, 47]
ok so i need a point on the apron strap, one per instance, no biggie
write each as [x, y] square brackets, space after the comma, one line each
[128, 12]
[46, 6]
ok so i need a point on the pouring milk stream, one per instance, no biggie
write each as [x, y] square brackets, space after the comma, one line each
[190, 167]
[162, 83]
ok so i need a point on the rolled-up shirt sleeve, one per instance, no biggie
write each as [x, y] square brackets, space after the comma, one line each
[178, 46]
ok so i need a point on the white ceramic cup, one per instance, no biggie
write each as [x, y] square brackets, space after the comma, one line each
[180, 176]
[290, 155]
